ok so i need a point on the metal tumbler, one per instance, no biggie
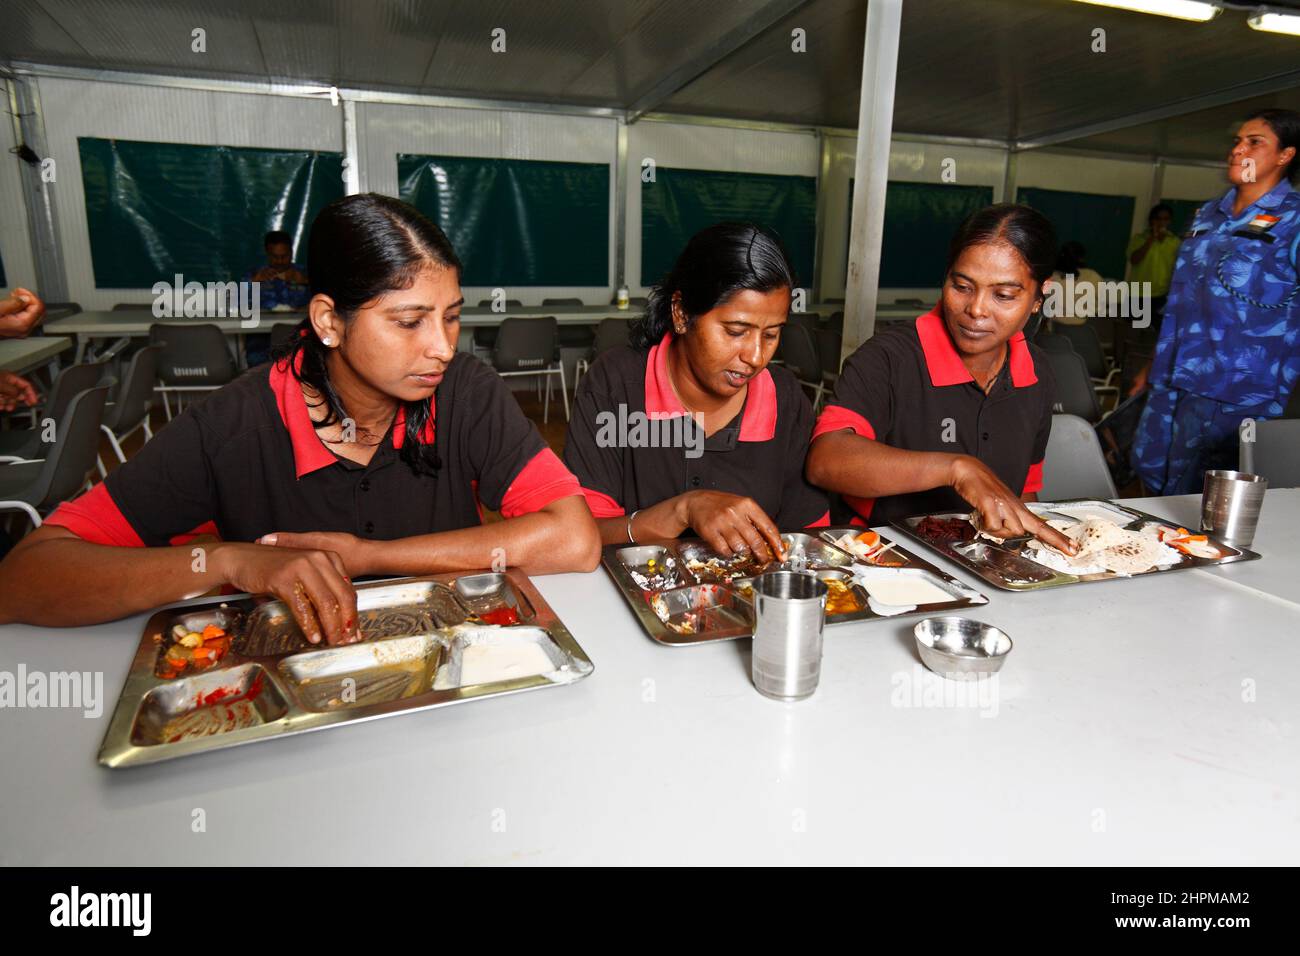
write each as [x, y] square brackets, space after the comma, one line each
[1230, 504]
[790, 610]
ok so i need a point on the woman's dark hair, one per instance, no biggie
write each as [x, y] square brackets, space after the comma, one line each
[360, 248]
[1024, 229]
[1285, 125]
[1072, 258]
[718, 262]
[277, 237]
[1159, 208]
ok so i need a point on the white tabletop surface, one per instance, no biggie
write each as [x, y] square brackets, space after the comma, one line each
[1136, 722]
[23, 355]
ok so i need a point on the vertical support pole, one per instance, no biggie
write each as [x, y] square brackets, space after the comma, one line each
[819, 239]
[620, 203]
[352, 178]
[871, 169]
[38, 192]
[1009, 169]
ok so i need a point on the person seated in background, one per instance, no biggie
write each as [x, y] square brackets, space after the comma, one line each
[1082, 305]
[1151, 256]
[283, 285]
[953, 411]
[688, 429]
[364, 449]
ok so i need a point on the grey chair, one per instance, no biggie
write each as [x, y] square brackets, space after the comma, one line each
[572, 336]
[24, 443]
[195, 358]
[130, 411]
[1052, 342]
[1085, 340]
[1275, 452]
[1075, 466]
[484, 337]
[557, 303]
[531, 346]
[37, 487]
[830, 343]
[799, 352]
[1075, 394]
[610, 333]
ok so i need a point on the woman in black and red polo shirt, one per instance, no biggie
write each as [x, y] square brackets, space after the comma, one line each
[365, 448]
[952, 411]
[688, 428]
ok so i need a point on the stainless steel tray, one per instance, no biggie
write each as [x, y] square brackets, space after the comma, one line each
[714, 602]
[1010, 567]
[272, 683]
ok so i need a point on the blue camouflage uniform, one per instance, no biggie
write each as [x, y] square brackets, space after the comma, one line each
[1228, 348]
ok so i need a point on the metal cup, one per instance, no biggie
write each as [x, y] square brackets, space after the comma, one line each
[790, 610]
[1230, 504]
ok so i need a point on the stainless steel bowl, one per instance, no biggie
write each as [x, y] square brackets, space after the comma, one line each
[961, 649]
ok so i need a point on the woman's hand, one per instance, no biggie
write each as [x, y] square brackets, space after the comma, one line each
[20, 313]
[1002, 513]
[732, 523]
[14, 391]
[353, 551]
[313, 583]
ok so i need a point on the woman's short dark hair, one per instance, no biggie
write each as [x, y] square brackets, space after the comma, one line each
[276, 237]
[1072, 258]
[1285, 125]
[1159, 208]
[360, 248]
[718, 262]
[1025, 229]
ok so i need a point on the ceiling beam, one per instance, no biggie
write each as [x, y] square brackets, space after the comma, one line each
[1231, 94]
[757, 23]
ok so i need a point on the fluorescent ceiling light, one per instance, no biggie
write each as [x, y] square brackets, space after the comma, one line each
[1273, 22]
[1199, 10]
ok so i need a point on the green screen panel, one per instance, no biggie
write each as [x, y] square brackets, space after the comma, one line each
[681, 202]
[1103, 224]
[1184, 213]
[157, 209]
[920, 220]
[516, 222]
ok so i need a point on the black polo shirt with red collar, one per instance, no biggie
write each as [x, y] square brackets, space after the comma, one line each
[907, 387]
[760, 453]
[247, 461]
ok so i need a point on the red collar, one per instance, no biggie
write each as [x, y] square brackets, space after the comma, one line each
[945, 365]
[759, 418]
[309, 454]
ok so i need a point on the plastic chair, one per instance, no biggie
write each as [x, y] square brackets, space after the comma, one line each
[610, 333]
[25, 443]
[484, 337]
[130, 412]
[799, 352]
[1084, 340]
[1075, 394]
[1275, 452]
[37, 486]
[1053, 342]
[1074, 465]
[531, 346]
[195, 358]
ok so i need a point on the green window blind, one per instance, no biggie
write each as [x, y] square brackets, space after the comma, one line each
[1104, 224]
[681, 202]
[920, 220]
[516, 222]
[157, 209]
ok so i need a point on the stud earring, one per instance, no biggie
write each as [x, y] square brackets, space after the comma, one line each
[327, 341]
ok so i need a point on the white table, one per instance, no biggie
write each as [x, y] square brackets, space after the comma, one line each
[1120, 737]
[23, 355]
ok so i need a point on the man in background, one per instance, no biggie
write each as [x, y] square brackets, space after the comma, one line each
[1151, 257]
[283, 288]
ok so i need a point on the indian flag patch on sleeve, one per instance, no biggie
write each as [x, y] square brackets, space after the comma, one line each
[1263, 222]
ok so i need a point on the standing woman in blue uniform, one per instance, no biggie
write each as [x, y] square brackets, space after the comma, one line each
[1228, 348]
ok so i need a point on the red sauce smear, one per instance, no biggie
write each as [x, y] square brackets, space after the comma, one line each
[501, 616]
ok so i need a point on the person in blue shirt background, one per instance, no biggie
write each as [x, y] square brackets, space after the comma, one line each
[283, 288]
[1229, 347]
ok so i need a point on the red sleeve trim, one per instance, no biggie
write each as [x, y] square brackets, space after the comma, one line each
[862, 508]
[602, 505]
[1034, 480]
[207, 528]
[95, 517]
[823, 522]
[543, 480]
[836, 418]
